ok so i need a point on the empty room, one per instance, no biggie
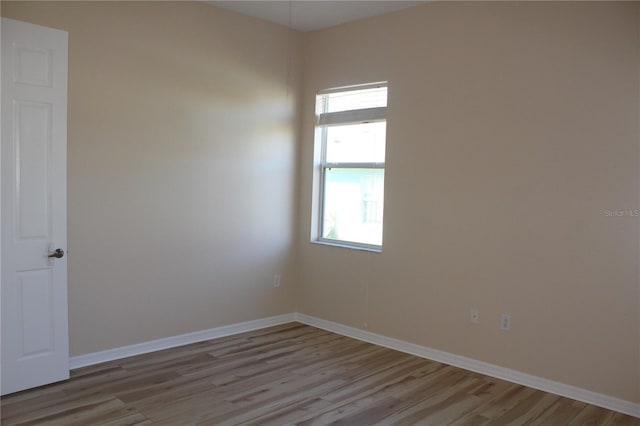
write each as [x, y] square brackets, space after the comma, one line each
[320, 212]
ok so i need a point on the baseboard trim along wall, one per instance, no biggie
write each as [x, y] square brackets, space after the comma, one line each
[485, 368]
[174, 341]
[622, 406]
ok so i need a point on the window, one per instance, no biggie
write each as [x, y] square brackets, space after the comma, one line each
[351, 131]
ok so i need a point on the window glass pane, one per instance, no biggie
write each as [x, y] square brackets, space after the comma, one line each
[356, 99]
[353, 205]
[363, 143]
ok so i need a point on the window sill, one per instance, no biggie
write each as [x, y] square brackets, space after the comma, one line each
[347, 246]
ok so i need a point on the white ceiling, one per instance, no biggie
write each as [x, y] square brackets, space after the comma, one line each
[313, 15]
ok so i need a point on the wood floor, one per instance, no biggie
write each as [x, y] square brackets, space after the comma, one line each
[290, 374]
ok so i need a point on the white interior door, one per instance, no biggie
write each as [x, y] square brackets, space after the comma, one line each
[35, 342]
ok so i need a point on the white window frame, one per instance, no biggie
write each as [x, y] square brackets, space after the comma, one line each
[340, 118]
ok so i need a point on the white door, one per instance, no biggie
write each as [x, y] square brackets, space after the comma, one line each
[35, 342]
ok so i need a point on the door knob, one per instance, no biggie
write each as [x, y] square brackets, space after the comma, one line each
[58, 253]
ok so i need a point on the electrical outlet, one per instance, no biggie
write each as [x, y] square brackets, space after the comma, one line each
[505, 322]
[475, 316]
[276, 280]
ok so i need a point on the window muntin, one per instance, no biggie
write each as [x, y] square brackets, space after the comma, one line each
[352, 123]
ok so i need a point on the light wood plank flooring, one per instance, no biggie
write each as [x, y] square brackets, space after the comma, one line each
[290, 374]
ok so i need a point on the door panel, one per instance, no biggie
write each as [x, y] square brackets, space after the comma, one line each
[32, 65]
[32, 142]
[35, 343]
[35, 316]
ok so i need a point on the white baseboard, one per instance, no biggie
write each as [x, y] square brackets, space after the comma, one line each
[608, 402]
[174, 341]
[605, 401]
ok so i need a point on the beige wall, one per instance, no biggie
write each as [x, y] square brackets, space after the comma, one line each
[182, 157]
[512, 127]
